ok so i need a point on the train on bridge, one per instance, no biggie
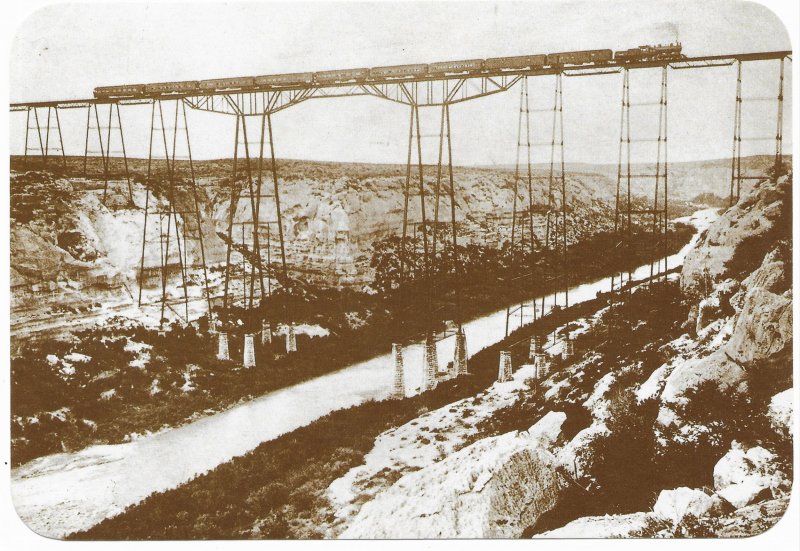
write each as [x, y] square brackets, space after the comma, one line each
[467, 67]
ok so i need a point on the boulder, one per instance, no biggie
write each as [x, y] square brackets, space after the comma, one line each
[547, 430]
[780, 413]
[578, 455]
[673, 505]
[494, 488]
[687, 376]
[742, 476]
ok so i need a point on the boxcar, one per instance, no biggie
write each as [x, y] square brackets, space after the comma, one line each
[580, 57]
[463, 66]
[226, 83]
[124, 91]
[398, 71]
[180, 87]
[343, 75]
[284, 79]
[516, 62]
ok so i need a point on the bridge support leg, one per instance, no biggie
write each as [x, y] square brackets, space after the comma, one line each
[248, 164]
[179, 220]
[736, 159]
[556, 228]
[43, 130]
[627, 217]
[418, 251]
[524, 217]
[104, 128]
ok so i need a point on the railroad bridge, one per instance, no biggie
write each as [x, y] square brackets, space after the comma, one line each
[435, 89]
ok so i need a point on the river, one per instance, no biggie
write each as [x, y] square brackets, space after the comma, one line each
[64, 493]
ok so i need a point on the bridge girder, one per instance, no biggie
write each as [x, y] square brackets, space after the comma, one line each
[426, 93]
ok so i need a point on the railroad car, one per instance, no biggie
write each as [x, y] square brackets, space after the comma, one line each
[181, 87]
[399, 71]
[650, 53]
[580, 57]
[463, 66]
[226, 83]
[341, 75]
[516, 62]
[124, 91]
[284, 80]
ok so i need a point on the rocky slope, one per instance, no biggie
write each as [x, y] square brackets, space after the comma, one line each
[697, 413]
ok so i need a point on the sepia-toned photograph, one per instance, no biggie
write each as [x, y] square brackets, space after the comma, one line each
[400, 270]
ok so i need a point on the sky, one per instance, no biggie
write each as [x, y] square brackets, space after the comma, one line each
[64, 51]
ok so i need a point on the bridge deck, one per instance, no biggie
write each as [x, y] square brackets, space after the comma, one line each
[578, 70]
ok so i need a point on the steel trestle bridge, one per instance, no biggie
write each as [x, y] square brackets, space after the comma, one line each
[255, 213]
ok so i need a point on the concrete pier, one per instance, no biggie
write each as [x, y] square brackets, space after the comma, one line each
[399, 390]
[211, 318]
[266, 333]
[460, 354]
[249, 351]
[506, 369]
[222, 347]
[430, 364]
[540, 365]
[291, 340]
[538, 357]
[537, 346]
[568, 349]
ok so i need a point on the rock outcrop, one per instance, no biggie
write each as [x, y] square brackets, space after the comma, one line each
[740, 325]
[494, 488]
[754, 215]
[718, 379]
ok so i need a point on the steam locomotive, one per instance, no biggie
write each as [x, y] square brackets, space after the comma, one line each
[493, 65]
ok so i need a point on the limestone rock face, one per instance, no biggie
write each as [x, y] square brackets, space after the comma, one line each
[762, 328]
[754, 215]
[741, 476]
[494, 488]
[673, 505]
[770, 276]
[737, 324]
